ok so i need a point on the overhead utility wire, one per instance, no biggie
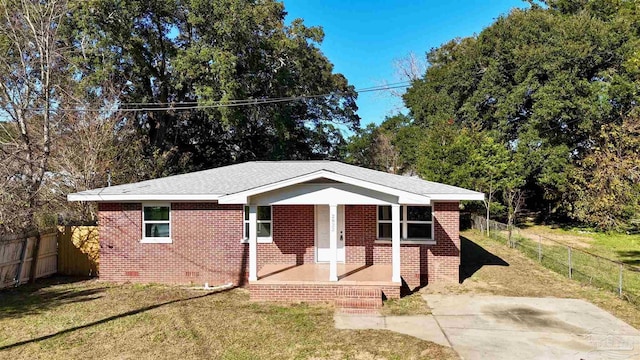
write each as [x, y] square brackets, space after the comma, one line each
[248, 102]
[367, 89]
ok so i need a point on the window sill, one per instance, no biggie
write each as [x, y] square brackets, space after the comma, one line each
[261, 240]
[156, 241]
[408, 242]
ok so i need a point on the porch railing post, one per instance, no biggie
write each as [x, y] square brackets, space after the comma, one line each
[253, 243]
[333, 242]
[395, 243]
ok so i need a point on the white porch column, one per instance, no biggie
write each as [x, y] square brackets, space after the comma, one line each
[395, 243]
[333, 242]
[253, 243]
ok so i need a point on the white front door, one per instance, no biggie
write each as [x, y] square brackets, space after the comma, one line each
[323, 252]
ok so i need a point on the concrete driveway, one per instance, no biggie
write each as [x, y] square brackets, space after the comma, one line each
[497, 327]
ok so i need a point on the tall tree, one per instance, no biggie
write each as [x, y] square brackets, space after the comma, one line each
[543, 80]
[607, 181]
[30, 73]
[177, 53]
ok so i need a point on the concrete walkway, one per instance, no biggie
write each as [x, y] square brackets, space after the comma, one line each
[421, 326]
[497, 327]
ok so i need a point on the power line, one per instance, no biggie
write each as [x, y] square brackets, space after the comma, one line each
[389, 86]
[221, 104]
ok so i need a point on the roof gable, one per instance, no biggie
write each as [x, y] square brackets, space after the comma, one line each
[404, 197]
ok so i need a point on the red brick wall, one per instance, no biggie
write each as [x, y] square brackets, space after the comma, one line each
[206, 244]
[420, 264]
[293, 236]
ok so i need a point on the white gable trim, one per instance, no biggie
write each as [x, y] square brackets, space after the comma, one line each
[404, 197]
[323, 194]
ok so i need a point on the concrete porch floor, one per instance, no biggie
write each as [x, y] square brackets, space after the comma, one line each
[348, 274]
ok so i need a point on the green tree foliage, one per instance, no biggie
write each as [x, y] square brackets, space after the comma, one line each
[392, 146]
[445, 154]
[543, 82]
[176, 53]
[73, 71]
[606, 184]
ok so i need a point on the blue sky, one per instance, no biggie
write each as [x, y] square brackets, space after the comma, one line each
[364, 37]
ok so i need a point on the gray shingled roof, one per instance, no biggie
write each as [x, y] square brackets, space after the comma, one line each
[245, 176]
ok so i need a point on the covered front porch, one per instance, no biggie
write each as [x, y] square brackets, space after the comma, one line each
[329, 193]
[358, 288]
[348, 274]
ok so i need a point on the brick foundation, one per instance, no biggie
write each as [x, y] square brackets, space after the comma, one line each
[308, 292]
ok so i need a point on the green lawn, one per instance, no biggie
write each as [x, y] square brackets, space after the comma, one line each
[585, 268]
[617, 246]
[61, 319]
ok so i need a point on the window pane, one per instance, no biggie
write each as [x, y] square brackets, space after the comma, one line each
[156, 213]
[264, 229]
[246, 213]
[156, 230]
[419, 213]
[246, 230]
[384, 212]
[419, 231]
[384, 231]
[264, 213]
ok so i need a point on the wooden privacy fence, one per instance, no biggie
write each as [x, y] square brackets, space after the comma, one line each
[68, 250]
[18, 263]
[78, 250]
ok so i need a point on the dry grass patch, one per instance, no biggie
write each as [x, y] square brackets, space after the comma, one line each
[413, 304]
[505, 271]
[77, 320]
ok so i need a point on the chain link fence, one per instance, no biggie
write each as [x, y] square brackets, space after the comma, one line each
[571, 261]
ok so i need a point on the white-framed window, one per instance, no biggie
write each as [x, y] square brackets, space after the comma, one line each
[156, 223]
[265, 224]
[416, 222]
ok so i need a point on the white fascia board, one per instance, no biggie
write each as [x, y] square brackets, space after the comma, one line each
[404, 197]
[457, 197]
[147, 197]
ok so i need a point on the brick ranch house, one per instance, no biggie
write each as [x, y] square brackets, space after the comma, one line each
[290, 230]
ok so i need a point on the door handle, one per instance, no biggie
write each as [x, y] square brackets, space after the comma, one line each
[341, 237]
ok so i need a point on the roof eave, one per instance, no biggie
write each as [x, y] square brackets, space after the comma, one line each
[141, 197]
[458, 197]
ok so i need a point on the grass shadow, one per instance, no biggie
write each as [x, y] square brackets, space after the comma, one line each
[43, 295]
[110, 318]
[473, 257]
[629, 257]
